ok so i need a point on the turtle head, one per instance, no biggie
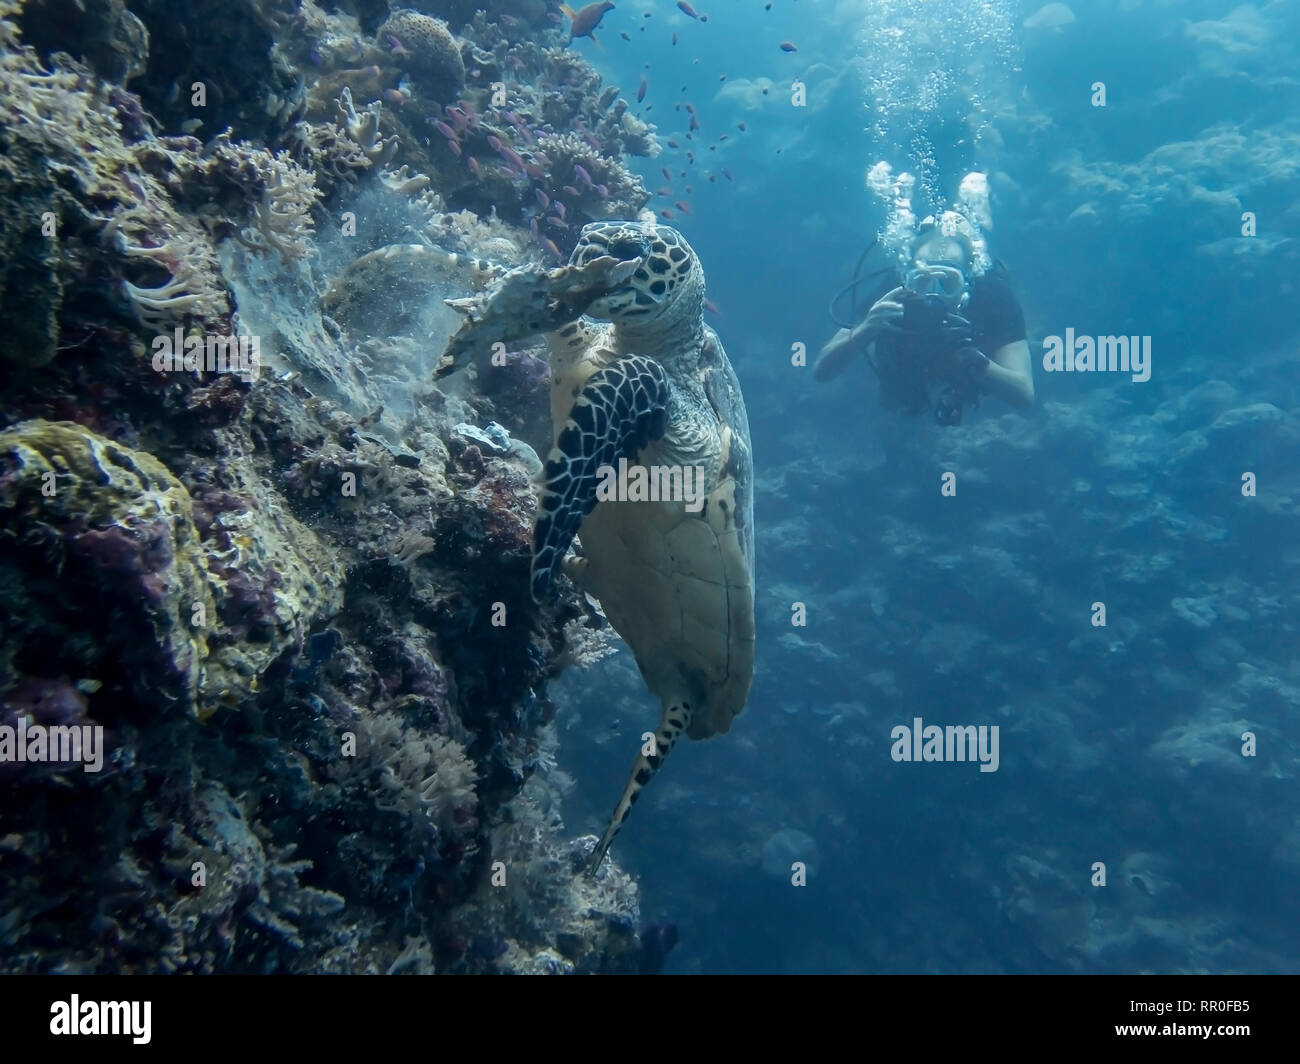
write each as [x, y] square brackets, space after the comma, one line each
[667, 286]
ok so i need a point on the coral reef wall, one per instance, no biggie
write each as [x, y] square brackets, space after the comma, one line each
[242, 536]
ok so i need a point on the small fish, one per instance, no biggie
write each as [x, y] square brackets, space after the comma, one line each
[667, 175]
[454, 146]
[690, 158]
[572, 191]
[623, 34]
[533, 170]
[786, 46]
[674, 38]
[509, 20]
[672, 144]
[532, 227]
[712, 179]
[444, 129]
[689, 190]
[476, 167]
[581, 23]
[602, 192]
[666, 213]
[686, 9]
[558, 223]
[512, 157]
[690, 108]
[559, 209]
[695, 123]
[727, 174]
[542, 198]
[767, 6]
[722, 77]
[494, 143]
[396, 46]
[683, 206]
[549, 245]
[582, 173]
[641, 90]
[316, 57]
[665, 191]
[723, 137]
[711, 307]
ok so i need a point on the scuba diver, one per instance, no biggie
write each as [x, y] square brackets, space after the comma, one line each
[947, 335]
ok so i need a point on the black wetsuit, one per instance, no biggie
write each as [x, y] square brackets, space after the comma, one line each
[914, 369]
[994, 312]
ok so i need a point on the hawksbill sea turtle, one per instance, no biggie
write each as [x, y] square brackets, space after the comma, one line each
[636, 374]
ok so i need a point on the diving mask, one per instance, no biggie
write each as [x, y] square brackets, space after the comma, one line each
[937, 283]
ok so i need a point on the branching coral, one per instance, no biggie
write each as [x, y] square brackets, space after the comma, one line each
[191, 288]
[282, 217]
[363, 128]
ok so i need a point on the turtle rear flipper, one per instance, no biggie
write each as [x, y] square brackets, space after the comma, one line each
[677, 715]
[621, 408]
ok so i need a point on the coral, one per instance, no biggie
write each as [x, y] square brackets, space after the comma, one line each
[102, 523]
[363, 128]
[73, 172]
[282, 216]
[427, 49]
[107, 36]
[423, 776]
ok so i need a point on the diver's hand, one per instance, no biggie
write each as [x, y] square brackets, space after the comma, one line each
[969, 364]
[885, 318]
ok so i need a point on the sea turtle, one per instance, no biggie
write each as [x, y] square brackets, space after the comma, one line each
[651, 384]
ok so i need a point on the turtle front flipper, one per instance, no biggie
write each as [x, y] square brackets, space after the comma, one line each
[528, 301]
[621, 408]
[677, 715]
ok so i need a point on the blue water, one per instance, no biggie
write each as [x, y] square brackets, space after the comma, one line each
[1121, 745]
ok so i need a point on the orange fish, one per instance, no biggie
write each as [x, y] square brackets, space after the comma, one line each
[581, 23]
[666, 213]
[683, 206]
[549, 245]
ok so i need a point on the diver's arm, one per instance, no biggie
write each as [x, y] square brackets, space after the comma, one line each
[884, 317]
[837, 353]
[1010, 374]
